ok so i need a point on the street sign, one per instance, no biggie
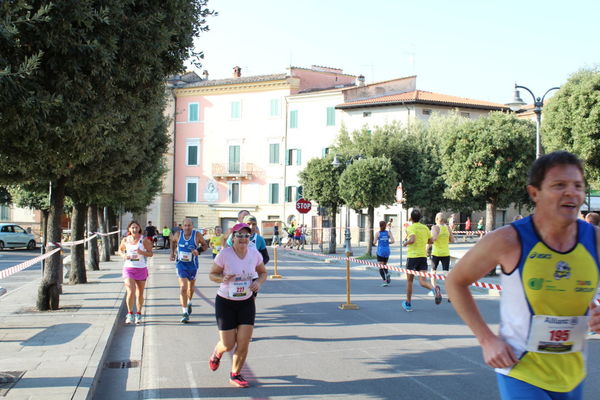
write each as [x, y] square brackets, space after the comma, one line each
[399, 194]
[303, 206]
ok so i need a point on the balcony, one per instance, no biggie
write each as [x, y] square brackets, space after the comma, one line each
[233, 171]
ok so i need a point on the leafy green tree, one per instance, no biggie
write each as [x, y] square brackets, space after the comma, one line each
[572, 120]
[320, 182]
[77, 112]
[484, 159]
[369, 183]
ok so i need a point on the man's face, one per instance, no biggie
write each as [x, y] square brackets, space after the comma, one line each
[252, 227]
[187, 226]
[218, 231]
[561, 194]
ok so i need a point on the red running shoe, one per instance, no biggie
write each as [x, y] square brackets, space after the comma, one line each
[238, 380]
[214, 361]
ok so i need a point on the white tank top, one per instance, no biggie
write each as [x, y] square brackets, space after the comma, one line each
[131, 251]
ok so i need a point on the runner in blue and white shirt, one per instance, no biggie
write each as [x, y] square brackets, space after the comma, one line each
[382, 240]
[186, 246]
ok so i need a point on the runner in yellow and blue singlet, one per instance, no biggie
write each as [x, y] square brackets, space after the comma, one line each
[544, 303]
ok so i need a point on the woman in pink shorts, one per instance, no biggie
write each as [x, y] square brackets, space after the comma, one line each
[134, 249]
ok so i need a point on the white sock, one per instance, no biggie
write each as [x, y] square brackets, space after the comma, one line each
[184, 309]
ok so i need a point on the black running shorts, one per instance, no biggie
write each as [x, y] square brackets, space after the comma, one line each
[382, 259]
[417, 264]
[232, 313]
[445, 260]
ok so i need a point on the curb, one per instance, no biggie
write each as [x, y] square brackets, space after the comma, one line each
[87, 385]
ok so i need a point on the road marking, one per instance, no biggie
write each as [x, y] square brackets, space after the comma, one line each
[193, 383]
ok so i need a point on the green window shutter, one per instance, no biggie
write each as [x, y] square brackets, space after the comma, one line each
[274, 107]
[299, 193]
[288, 193]
[191, 192]
[330, 116]
[288, 158]
[192, 155]
[193, 112]
[235, 109]
[274, 193]
[234, 159]
[274, 153]
[298, 157]
[324, 152]
[294, 119]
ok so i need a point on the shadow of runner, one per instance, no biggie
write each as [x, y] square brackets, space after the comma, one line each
[56, 334]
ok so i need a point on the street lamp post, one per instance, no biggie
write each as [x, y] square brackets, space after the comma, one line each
[538, 104]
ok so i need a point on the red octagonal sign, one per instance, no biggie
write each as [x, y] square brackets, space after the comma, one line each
[303, 206]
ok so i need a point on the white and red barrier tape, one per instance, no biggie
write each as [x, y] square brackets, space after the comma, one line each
[468, 232]
[394, 267]
[5, 273]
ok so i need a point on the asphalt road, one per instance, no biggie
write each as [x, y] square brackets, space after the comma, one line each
[12, 257]
[305, 347]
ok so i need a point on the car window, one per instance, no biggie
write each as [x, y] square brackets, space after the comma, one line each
[18, 229]
[4, 229]
[7, 228]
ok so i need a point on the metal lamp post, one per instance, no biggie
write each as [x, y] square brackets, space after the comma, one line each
[538, 104]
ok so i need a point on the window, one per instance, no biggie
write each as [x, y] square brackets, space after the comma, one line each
[4, 213]
[366, 114]
[191, 190]
[275, 108]
[426, 111]
[293, 156]
[274, 193]
[324, 151]
[330, 116]
[234, 159]
[288, 193]
[294, 119]
[193, 112]
[274, 153]
[192, 153]
[465, 114]
[234, 192]
[236, 110]
[299, 193]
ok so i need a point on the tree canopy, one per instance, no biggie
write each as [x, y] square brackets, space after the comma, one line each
[485, 159]
[572, 120]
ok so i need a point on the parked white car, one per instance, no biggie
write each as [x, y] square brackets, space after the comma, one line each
[12, 235]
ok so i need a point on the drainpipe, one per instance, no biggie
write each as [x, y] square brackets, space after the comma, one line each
[285, 137]
[174, 148]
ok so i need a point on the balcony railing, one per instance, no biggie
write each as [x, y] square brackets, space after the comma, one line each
[231, 171]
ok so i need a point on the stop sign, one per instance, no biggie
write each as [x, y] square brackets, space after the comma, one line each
[303, 206]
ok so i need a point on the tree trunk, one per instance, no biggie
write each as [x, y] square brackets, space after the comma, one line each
[104, 241]
[371, 223]
[77, 273]
[93, 260]
[332, 229]
[490, 216]
[113, 224]
[49, 291]
[490, 222]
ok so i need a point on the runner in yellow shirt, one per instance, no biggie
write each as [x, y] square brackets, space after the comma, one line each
[216, 242]
[417, 237]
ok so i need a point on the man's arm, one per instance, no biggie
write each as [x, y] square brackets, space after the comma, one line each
[200, 241]
[499, 247]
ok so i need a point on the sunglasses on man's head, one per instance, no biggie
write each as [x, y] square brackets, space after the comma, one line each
[242, 235]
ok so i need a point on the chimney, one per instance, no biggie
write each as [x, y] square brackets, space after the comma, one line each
[361, 80]
[205, 75]
[237, 72]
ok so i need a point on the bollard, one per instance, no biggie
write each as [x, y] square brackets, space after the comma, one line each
[276, 274]
[348, 305]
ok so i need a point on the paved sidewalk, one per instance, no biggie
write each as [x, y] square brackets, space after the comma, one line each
[57, 353]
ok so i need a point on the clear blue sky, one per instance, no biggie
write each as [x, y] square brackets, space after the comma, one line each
[474, 49]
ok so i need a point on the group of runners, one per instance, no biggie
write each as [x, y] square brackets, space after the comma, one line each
[239, 260]
[550, 274]
[420, 242]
